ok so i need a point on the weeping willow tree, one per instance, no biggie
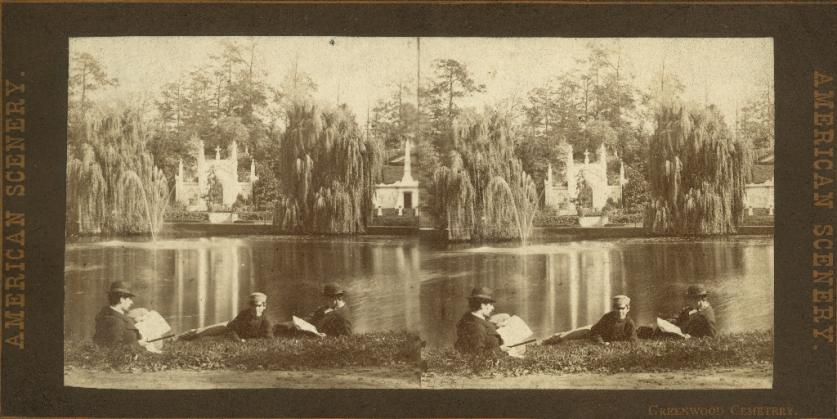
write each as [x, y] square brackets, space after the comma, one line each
[328, 172]
[113, 186]
[452, 204]
[697, 174]
[484, 194]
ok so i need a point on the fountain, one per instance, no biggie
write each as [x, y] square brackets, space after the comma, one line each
[523, 203]
[153, 218]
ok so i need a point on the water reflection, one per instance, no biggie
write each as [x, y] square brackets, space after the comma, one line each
[404, 284]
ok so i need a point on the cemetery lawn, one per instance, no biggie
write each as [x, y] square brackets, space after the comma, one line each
[742, 360]
[372, 360]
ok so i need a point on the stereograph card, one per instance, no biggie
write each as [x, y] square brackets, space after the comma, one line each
[274, 209]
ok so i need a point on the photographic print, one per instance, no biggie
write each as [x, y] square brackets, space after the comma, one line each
[599, 209]
[435, 210]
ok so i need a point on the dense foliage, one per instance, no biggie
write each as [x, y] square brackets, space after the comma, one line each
[328, 170]
[484, 193]
[697, 174]
[113, 185]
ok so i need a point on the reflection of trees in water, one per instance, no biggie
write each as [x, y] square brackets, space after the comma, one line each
[581, 284]
[216, 289]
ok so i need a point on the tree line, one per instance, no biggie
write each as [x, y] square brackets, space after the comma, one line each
[484, 168]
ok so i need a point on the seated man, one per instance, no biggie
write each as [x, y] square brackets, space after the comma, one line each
[615, 325]
[253, 322]
[332, 318]
[698, 318]
[114, 329]
[475, 335]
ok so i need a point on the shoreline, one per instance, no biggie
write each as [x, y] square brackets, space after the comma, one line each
[557, 233]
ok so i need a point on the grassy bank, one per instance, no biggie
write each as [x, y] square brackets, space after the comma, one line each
[736, 350]
[368, 350]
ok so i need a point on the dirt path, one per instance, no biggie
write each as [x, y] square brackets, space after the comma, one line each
[732, 378]
[168, 380]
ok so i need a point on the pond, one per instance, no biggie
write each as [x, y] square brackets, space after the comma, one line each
[413, 285]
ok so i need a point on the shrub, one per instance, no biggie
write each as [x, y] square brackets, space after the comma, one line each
[549, 217]
[621, 218]
[254, 216]
[179, 214]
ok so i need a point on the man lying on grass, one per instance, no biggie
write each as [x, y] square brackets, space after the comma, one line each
[614, 326]
[250, 323]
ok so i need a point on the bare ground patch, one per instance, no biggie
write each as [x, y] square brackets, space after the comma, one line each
[362, 377]
[727, 378]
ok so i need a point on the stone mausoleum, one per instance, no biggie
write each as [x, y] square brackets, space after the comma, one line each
[759, 192]
[192, 191]
[561, 194]
[400, 195]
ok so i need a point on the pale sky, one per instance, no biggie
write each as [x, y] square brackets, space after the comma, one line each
[361, 70]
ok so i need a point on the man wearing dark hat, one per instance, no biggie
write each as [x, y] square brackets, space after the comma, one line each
[698, 318]
[253, 322]
[332, 318]
[113, 327]
[475, 335]
[615, 325]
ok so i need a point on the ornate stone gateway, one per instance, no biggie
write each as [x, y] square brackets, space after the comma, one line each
[194, 193]
[593, 175]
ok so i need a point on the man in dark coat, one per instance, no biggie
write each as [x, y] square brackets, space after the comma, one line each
[114, 329]
[475, 335]
[615, 325]
[332, 318]
[698, 318]
[253, 322]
